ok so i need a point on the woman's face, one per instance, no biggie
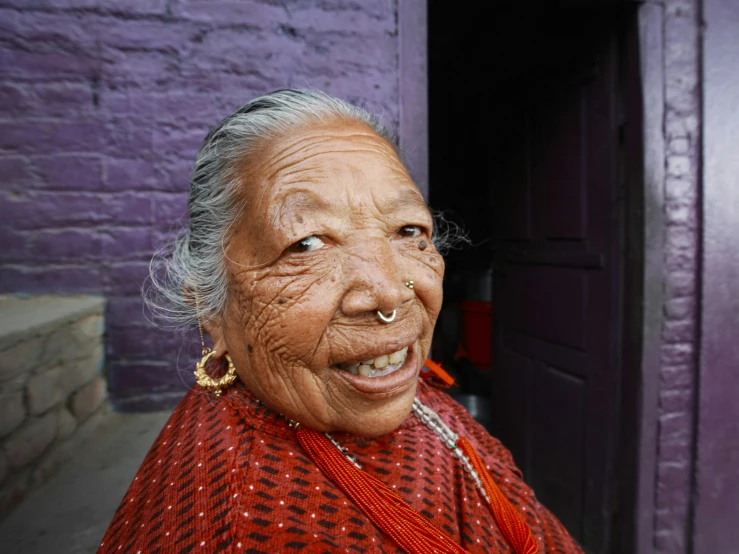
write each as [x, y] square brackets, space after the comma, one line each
[336, 227]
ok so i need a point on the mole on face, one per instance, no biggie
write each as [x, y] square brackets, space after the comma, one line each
[422, 245]
[250, 348]
[300, 219]
[282, 300]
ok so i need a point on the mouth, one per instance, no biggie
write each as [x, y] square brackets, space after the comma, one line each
[382, 365]
[382, 382]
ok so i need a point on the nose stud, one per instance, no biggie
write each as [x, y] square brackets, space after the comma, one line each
[409, 284]
[387, 318]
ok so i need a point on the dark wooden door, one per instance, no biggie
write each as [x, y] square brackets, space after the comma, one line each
[556, 288]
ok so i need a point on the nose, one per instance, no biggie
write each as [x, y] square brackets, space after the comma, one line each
[373, 280]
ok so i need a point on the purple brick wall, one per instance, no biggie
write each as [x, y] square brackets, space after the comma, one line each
[716, 493]
[103, 105]
[681, 286]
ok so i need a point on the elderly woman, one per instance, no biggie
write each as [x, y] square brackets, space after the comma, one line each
[310, 262]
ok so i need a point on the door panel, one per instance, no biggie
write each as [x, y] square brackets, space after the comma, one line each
[557, 437]
[516, 218]
[548, 302]
[558, 175]
[517, 409]
[556, 292]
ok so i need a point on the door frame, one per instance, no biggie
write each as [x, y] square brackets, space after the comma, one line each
[413, 128]
[643, 295]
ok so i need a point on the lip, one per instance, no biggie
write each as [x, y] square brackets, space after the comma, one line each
[387, 384]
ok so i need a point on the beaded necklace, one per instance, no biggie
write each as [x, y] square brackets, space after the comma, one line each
[391, 513]
[449, 438]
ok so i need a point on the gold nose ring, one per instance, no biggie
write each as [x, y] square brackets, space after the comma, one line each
[387, 318]
[409, 284]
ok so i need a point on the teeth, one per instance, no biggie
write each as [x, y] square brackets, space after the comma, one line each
[398, 356]
[381, 362]
[382, 365]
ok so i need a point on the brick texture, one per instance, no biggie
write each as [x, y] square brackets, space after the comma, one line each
[103, 105]
[12, 412]
[3, 467]
[87, 400]
[681, 262]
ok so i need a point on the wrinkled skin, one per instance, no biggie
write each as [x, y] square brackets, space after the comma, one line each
[314, 303]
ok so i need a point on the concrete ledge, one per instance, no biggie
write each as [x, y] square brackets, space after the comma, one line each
[36, 332]
[52, 387]
[24, 315]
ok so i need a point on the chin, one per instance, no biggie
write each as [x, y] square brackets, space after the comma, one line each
[377, 421]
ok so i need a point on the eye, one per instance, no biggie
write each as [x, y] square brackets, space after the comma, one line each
[410, 231]
[307, 244]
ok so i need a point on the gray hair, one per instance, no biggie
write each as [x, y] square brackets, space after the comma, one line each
[187, 279]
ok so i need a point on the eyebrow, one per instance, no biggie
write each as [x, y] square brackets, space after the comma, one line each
[302, 199]
[406, 198]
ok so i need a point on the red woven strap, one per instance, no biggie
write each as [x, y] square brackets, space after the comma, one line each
[385, 509]
[511, 524]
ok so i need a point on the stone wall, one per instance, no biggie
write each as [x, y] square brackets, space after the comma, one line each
[103, 105]
[678, 372]
[52, 389]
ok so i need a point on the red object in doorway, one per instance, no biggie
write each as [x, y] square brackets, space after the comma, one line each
[477, 326]
[435, 370]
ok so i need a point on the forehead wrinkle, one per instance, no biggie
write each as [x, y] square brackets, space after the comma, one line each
[293, 175]
[312, 161]
[312, 170]
[303, 171]
[279, 152]
[298, 159]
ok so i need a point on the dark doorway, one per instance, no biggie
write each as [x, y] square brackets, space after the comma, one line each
[528, 110]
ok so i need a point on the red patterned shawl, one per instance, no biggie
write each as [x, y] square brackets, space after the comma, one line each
[227, 475]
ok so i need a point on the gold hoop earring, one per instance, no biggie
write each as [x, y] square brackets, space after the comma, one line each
[216, 386]
[202, 378]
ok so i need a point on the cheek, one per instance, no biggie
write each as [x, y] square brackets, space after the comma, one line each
[431, 294]
[290, 309]
[426, 268]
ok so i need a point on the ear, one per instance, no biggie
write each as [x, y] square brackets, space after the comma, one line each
[214, 328]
